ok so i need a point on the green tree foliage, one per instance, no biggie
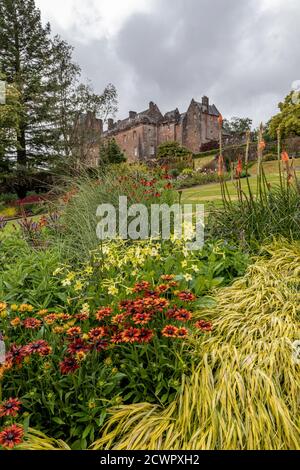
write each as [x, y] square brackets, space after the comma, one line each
[50, 94]
[288, 119]
[9, 123]
[236, 125]
[110, 152]
[172, 149]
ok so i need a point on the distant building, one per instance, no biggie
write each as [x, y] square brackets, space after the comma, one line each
[140, 134]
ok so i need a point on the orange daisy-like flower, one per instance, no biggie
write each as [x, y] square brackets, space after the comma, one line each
[50, 319]
[182, 315]
[117, 338]
[162, 288]
[186, 296]
[40, 347]
[68, 366]
[10, 407]
[15, 322]
[141, 318]
[31, 323]
[167, 277]
[204, 325]
[182, 333]
[118, 319]
[74, 332]
[96, 333]
[103, 312]
[145, 335]
[82, 316]
[285, 156]
[131, 335]
[77, 346]
[11, 436]
[141, 286]
[170, 331]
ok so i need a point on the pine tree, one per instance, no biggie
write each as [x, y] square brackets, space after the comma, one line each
[110, 152]
[25, 47]
[51, 98]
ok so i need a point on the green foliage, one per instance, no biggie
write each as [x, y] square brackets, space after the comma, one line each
[110, 152]
[171, 150]
[288, 119]
[237, 126]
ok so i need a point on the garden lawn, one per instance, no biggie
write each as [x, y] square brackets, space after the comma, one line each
[211, 193]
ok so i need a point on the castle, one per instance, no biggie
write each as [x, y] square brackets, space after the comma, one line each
[140, 134]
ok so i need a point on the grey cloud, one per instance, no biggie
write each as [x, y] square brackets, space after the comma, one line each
[243, 57]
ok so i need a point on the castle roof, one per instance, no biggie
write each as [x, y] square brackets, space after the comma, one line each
[211, 109]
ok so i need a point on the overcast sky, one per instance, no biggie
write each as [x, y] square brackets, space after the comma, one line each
[243, 54]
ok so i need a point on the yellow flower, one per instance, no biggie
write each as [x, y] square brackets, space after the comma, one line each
[3, 306]
[47, 365]
[27, 360]
[85, 336]
[58, 330]
[3, 314]
[113, 290]
[78, 285]
[42, 312]
[80, 356]
[92, 404]
[195, 268]
[14, 307]
[25, 308]
[108, 361]
[184, 264]
[114, 370]
[188, 277]
[66, 282]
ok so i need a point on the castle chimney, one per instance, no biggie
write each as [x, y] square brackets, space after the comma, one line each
[110, 124]
[151, 106]
[205, 102]
[132, 114]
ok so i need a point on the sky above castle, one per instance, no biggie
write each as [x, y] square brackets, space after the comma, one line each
[243, 54]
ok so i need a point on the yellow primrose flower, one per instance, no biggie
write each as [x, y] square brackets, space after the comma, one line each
[188, 277]
[3, 306]
[184, 264]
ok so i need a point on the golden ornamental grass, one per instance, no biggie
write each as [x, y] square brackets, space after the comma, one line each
[245, 391]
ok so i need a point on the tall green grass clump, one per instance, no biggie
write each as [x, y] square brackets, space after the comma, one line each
[256, 218]
[104, 186]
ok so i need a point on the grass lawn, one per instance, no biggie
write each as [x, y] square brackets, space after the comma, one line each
[211, 193]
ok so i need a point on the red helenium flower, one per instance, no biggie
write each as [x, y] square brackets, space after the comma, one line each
[130, 335]
[11, 436]
[11, 407]
[39, 347]
[68, 366]
[204, 325]
[32, 323]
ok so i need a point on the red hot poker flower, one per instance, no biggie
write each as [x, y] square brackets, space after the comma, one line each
[11, 407]
[11, 436]
[285, 156]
